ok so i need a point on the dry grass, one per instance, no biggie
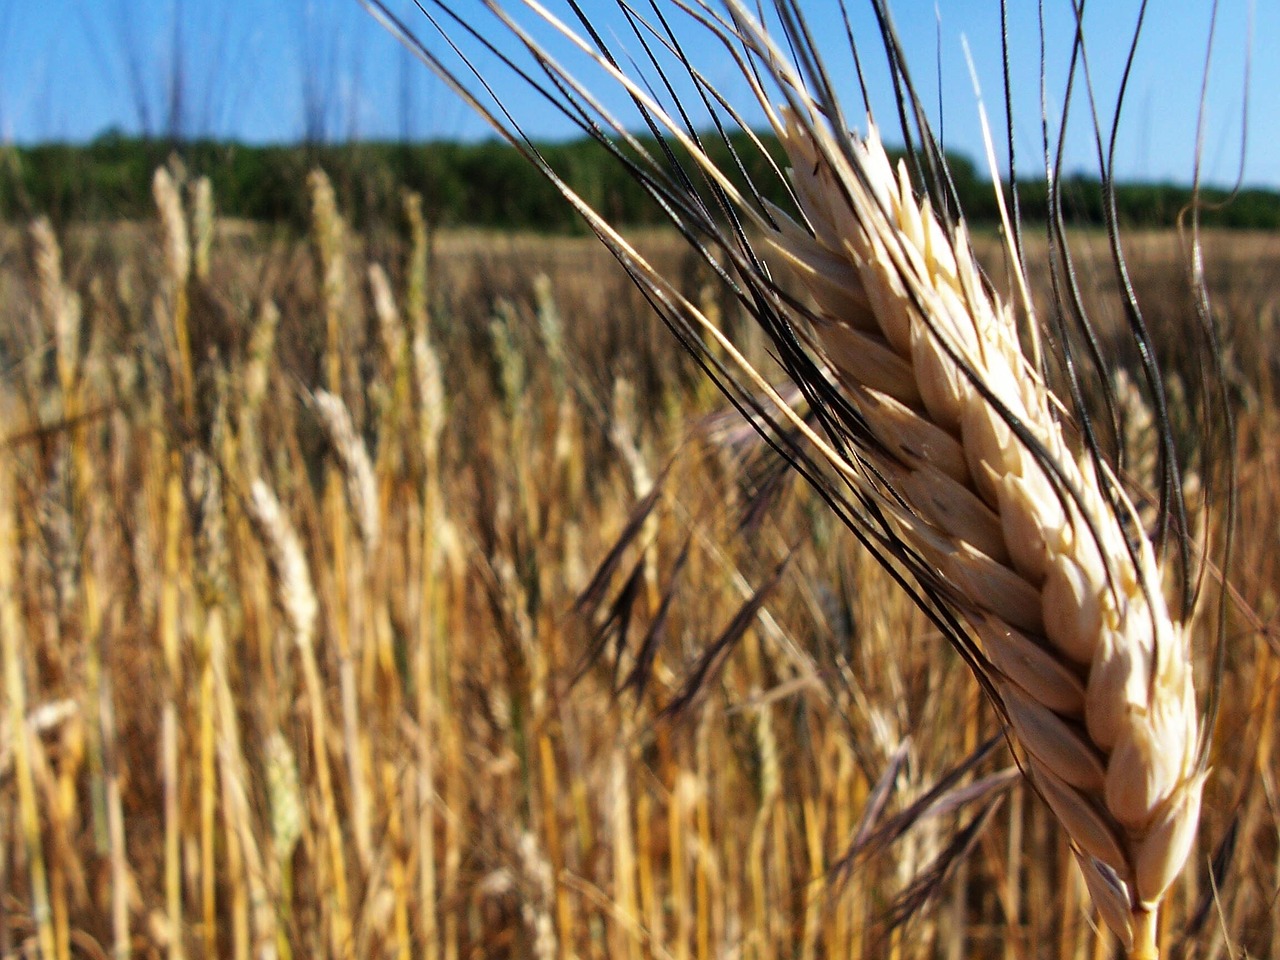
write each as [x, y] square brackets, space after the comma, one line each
[191, 766]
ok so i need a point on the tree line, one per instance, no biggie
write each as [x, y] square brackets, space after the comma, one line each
[488, 184]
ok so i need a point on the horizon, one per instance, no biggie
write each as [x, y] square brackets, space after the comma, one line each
[981, 172]
[280, 73]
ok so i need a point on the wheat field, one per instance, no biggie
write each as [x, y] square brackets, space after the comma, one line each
[351, 587]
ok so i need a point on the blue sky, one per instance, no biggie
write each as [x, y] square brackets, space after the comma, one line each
[269, 70]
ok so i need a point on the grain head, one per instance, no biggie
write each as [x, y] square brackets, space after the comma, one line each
[173, 221]
[355, 463]
[288, 562]
[201, 225]
[60, 307]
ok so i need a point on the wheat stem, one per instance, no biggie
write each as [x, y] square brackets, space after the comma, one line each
[170, 625]
[16, 694]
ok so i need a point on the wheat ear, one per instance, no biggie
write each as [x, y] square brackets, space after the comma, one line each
[297, 598]
[1026, 540]
[939, 442]
[966, 458]
[357, 466]
[288, 562]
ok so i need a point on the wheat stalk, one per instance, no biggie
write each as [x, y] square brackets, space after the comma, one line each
[297, 599]
[940, 443]
[19, 725]
[362, 497]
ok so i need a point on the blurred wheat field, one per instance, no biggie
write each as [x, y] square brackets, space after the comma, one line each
[295, 539]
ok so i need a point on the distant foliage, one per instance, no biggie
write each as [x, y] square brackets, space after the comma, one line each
[488, 184]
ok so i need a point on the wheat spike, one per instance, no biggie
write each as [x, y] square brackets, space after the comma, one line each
[938, 441]
[384, 308]
[173, 309]
[284, 795]
[537, 897]
[1046, 580]
[1021, 537]
[288, 562]
[46, 256]
[59, 305]
[330, 238]
[177, 242]
[431, 395]
[256, 373]
[201, 226]
[357, 467]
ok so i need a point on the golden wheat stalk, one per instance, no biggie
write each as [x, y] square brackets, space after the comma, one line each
[297, 599]
[939, 442]
[12, 646]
